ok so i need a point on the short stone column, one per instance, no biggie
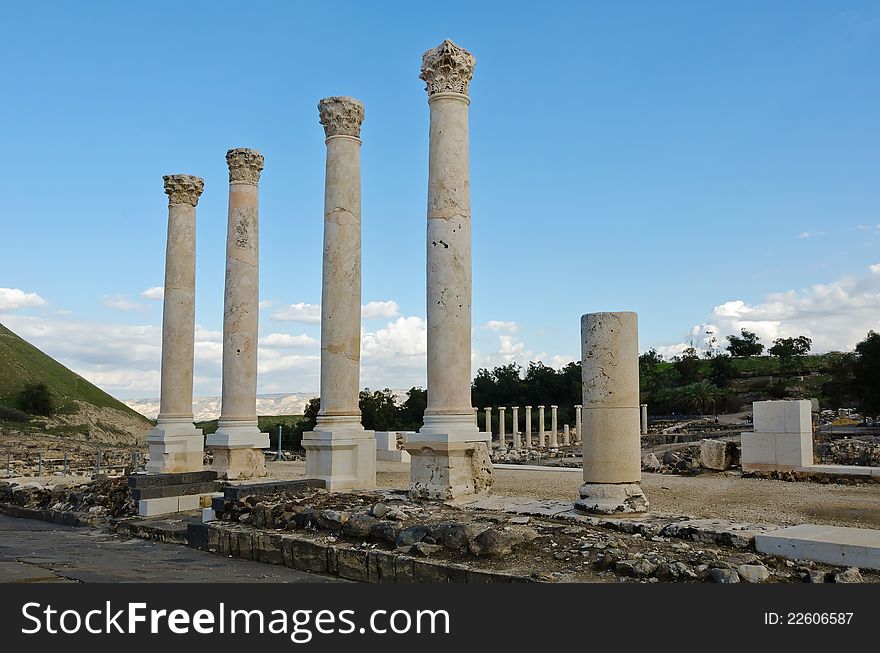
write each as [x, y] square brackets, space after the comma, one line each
[578, 426]
[566, 435]
[541, 426]
[238, 443]
[488, 425]
[644, 419]
[175, 444]
[517, 442]
[476, 416]
[527, 430]
[339, 451]
[611, 446]
[554, 428]
[450, 458]
[502, 427]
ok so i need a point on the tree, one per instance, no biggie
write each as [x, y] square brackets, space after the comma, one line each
[744, 345]
[700, 397]
[721, 370]
[36, 399]
[790, 352]
[411, 413]
[688, 366]
[378, 410]
[866, 374]
[840, 367]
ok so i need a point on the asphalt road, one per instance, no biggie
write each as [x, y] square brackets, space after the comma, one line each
[34, 551]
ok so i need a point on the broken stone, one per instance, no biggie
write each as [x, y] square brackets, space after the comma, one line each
[848, 575]
[359, 526]
[379, 510]
[717, 575]
[332, 520]
[753, 573]
[492, 542]
[424, 549]
[409, 536]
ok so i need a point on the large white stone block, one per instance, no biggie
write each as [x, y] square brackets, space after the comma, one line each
[783, 451]
[344, 460]
[175, 447]
[387, 443]
[758, 451]
[783, 416]
[449, 470]
[836, 545]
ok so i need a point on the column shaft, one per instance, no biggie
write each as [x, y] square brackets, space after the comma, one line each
[527, 431]
[554, 428]
[517, 442]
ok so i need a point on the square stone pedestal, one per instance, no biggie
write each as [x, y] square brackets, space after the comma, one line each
[175, 447]
[343, 459]
[449, 470]
[238, 450]
[611, 498]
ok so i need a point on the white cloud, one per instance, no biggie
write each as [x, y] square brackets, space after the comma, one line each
[12, 299]
[286, 341]
[302, 312]
[266, 303]
[499, 326]
[155, 293]
[810, 234]
[122, 303]
[836, 315]
[374, 310]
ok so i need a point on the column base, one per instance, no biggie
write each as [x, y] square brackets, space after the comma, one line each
[345, 459]
[611, 498]
[175, 446]
[238, 450]
[449, 470]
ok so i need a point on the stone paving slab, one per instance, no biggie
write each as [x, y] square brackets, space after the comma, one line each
[836, 545]
[842, 470]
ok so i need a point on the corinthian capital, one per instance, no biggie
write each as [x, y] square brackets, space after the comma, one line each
[183, 189]
[244, 165]
[341, 116]
[447, 69]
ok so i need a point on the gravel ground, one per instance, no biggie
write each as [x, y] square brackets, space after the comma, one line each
[721, 495]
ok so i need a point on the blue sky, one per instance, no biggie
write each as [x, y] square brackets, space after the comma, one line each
[701, 163]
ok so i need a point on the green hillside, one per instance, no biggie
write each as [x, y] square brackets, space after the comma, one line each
[22, 363]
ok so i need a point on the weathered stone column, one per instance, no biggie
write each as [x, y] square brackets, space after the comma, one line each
[488, 425]
[541, 426]
[502, 427]
[339, 451]
[611, 447]
[238, 443]
[476, 417]
[175, 444]
[450, 458]
[554, 428]
[517, 442]
[528, 427]
[566, 436]
[578, 426]
[644, 419]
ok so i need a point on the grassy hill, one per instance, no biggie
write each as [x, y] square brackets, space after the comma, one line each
[80, 406]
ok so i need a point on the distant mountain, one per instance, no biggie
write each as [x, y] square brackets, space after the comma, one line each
[81, 408]
[208, 408]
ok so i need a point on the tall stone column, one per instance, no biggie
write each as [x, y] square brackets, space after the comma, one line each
[502, 427]
[578, 426]
[566, 435]
[450, 458]
[339, 451]
[528, 427]
[517, 442]
[541, 426]
[238, 443]
[175, 444]
[554, 428]
[488, 425]
[644, 419]
[611, 447]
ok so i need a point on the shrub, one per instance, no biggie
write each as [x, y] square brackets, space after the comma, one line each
[13, 415]
[36, 399]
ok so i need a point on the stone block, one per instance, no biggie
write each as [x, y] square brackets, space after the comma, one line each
[717, 454]
[782, 416]
[197, 535]
[344, 460]
[308, 556]
[152, 507]
[208, 515]
[189, 502]
[380, 567]
[449, 470]
[213, 539]
[429, 572]
[836, 545]
[141, 480]
[404, 570]
[794, 449]
[245, 545]
[352, 564]
[758, 451]
[158, 491]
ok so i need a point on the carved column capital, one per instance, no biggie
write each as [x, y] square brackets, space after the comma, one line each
[341, 116]
[447, 68]
[244, 165]
[183, 189]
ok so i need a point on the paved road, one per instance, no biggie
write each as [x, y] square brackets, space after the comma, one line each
[34, 551]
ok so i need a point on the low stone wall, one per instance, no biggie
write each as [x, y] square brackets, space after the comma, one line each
[849, 451]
